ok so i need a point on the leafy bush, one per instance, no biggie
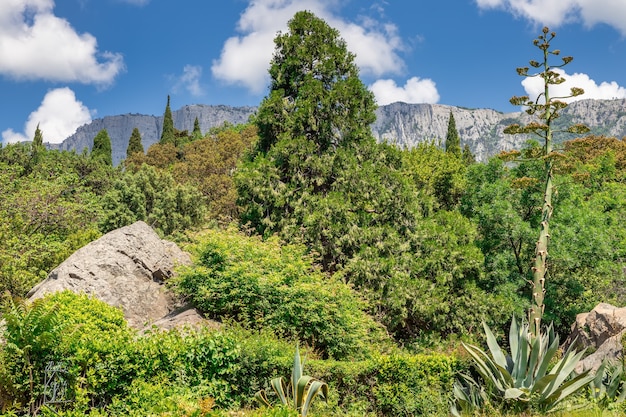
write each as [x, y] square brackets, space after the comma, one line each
[262, 284]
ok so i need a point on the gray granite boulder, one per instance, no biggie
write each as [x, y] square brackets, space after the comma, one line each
[126, 268]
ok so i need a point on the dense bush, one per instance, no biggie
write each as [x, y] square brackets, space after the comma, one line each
[262, 284]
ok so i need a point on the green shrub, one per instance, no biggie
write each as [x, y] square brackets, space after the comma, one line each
[263, 284]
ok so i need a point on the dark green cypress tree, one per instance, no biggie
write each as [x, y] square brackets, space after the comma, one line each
[134, 143]
[38, 139]
[453, 141]
[197, 132]
[467, 156]
[168, 134]
[101, 150]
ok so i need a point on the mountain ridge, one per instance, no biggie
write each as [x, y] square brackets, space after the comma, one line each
[403, 124]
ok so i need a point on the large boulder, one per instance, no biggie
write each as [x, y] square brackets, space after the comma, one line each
[600, 331]
[125, 268]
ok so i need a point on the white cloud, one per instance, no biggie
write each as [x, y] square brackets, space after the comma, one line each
[245, 58]
[415, 90]
[58, 116]
[605, 90]
[36, 44]
[557, 12]
[190, 80]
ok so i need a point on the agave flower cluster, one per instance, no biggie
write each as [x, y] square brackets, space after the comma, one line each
[528, 377]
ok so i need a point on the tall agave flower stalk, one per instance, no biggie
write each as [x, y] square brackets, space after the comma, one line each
[546, 108]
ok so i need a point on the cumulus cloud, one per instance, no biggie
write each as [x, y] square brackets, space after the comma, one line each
[190, 80]
[415, 90]
[58, 116]
[37, 45]
[244, 59]
[557, 12]
[605, 90]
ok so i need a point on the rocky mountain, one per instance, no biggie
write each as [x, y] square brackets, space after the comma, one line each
[403, 124]
[120, 127]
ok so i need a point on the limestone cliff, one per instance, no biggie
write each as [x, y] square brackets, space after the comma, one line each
[399, 123]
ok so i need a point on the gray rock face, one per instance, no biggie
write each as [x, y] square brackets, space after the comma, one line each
[125, 268]
[601, 330]
[121, 127]
[405, 125]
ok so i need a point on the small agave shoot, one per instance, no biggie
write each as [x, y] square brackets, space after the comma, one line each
[523, 378]
[303, 389]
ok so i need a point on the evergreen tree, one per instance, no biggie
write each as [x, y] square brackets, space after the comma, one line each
[134, 143]
[317, 175]
[38, 139]
[453, 142]
[168, 134]
[467, 156]
[315, 94]
[101, 150]
[197, 132]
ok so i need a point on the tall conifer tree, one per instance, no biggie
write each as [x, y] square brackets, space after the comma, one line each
[197, 132]
[101, 150]
[168, 134]
[38, 139]
[453, 141]
[134, 143]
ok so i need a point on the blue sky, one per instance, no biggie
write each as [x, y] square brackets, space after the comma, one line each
[66, 62]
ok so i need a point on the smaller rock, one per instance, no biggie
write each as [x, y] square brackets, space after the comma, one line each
[601, 331]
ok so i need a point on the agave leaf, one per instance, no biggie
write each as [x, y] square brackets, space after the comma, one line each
[301, 388]
[566, 367]
[261, 397]
[544, 360]
[486, 367]
[280, 388]
[296, 372]
[514, 337]
[515, 394]
[316, 388]
[521, 364]
[541, 384]
[535, 355]
[568, 388]
[496, 352]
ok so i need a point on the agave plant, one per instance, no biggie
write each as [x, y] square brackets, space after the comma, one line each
[608, 386]
[303, 389]
[528, 376]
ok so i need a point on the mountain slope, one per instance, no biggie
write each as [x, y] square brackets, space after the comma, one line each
[399, 123]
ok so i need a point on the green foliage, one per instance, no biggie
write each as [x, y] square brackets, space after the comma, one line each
[134, 143]
[608, 387]
[101, 150]
[440, 177]
[531, 376]
[48, 210]
[31, 335]
[168, 133]
[153, 196]
[262, 284]
[303, 388]
[315, 92]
